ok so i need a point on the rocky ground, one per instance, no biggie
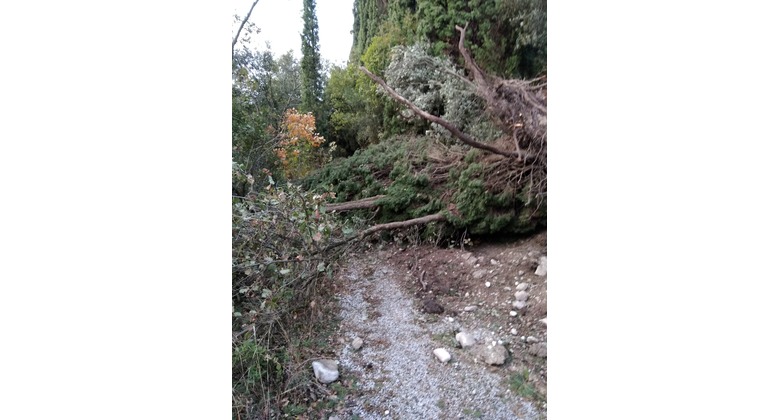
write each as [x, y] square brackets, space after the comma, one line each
[437, 333]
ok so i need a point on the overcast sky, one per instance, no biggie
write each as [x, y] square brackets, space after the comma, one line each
[281, 23]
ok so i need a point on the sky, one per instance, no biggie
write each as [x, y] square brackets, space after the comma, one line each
[281, 23]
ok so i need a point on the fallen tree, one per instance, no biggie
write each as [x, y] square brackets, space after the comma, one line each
[486, 185]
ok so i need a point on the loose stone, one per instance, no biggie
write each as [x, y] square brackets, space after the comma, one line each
[442, 354]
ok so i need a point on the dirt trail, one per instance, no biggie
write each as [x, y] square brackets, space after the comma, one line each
[395, 374]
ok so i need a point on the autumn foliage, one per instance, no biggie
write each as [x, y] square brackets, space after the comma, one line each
[299, 146]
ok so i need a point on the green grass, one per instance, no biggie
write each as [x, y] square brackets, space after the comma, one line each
[445, 338]
[520, 385]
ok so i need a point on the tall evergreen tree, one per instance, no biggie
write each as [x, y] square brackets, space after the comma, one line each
[310, 63]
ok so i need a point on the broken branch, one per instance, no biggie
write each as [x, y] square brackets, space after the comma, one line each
[365, 203]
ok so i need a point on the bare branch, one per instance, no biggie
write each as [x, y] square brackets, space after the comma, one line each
[365, 203]
[386, 226]
[235, 39]
[405, 223]
[479, 76]
[465, 138]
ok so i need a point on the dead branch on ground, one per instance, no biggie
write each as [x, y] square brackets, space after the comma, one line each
[365, 203]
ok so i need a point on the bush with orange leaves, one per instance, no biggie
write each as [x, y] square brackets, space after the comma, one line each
[299, 146]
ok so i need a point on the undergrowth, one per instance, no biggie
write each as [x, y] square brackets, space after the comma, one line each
[282, 270]
[521, 385]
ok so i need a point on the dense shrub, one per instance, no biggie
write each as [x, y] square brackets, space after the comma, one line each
[281, 266]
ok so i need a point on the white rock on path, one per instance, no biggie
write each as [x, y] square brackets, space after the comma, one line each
[442, 354]
[464, 339]
[357, 343]
[471, 308]
[522, 286]
[521, 296]
[512, 313]
[493, 355]
[325, 370]
[532, 339]
[541, 270]
[513, 331]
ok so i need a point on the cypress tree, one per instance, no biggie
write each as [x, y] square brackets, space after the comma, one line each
[310, 63]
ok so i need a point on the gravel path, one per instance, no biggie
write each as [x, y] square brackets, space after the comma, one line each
[397, 374]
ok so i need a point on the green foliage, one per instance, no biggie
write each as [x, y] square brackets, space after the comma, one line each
[310, 63]
[435, 85]
[263, 88]
[356, 109]
[359, 114]
[360, 176]
[485, 210]
[397, 169]
[506, 37]
[367, 18]
[254, 367]
[280, 237]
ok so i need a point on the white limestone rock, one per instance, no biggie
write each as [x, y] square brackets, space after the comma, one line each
[442, 354]
[494, 354]
[464, 339]
[357, 343]
[325, 370]
[541, 270]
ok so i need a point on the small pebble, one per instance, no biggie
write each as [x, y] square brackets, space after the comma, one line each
[471, 308]
[532, 339]
[513, 331]
[521, 296]
[487, 284]
[387, 412]
[464, 339]
[518, 305]
[442, 354]
[522, 286]
[357, 343]
[512, 313]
